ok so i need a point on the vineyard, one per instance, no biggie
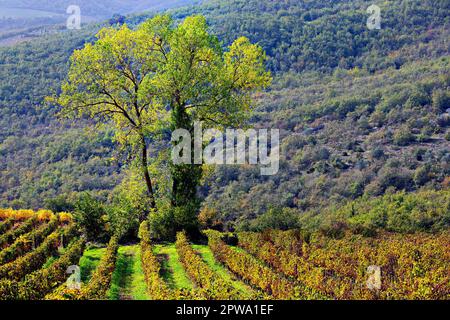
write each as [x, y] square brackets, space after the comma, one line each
[38, 250]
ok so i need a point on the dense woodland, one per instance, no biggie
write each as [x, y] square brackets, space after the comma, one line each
[364, 117]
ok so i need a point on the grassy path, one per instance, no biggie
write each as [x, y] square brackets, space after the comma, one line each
[208, 257]
[172, 269]
[128, 278]
[89, 262]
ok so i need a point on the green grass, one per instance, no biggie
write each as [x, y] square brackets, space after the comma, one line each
[208, 257]
[128, 281]
[49, 262]
[138, 286]
[172, 269]
[89, 262]
[54, 258]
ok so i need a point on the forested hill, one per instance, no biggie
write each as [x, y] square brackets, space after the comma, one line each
[96, 9]
[362, 112]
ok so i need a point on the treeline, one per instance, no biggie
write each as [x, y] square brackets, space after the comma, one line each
[322, 35]
[424, 211]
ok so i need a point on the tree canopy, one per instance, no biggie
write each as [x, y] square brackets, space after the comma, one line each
[160, 77]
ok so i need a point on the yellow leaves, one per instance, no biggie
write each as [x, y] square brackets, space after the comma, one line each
[65, 217]
[44, 215]
[159, 27]
[245, 65]
[251, 270]
[207, 217]
[211, 285]
[41, 215]
[16, 214]
[133, 78]
[156, 286]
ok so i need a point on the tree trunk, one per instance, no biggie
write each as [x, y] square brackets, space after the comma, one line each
[186, 177]
[148, 180]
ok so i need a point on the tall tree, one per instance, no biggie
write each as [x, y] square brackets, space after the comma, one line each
[164, 75]
[200, 81]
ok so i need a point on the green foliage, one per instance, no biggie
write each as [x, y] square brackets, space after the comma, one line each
[403, 136]
[59, 204]
[418, 98]
[424, 211]
[128, 205]
[161, 224]
[317, 170]
[441, 100]
[312, 35]
[89, 215]
[276, 218]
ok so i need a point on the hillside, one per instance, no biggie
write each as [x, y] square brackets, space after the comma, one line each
[27, 19]
[98, 9]
[362, 113]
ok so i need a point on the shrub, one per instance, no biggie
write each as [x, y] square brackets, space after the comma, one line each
[403, 136]
[276, 218]
[334, 230]
[161, 224]
[418, 98]
[59, 204]
[209, 219]
[441, 100]
[88, 215]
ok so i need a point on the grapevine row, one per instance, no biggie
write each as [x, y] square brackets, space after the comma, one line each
[10, 236]
[100, 282]
[26, 242]
[156, 286]
[212, 286]
[6, 225]
[41, 282]
[18, 269]
[251, 270]
[412, 266]
[319, 281]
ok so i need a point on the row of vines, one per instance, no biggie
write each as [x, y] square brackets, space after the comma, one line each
[411, 266]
